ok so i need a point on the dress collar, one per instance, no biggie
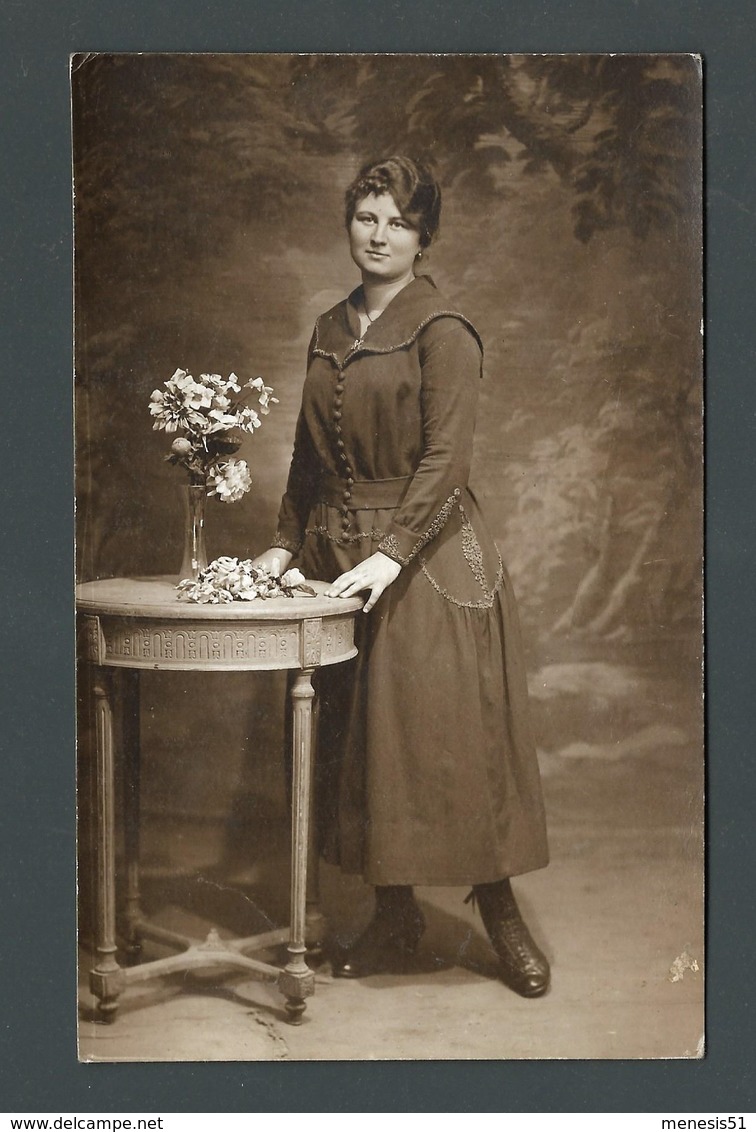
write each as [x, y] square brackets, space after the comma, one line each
[408, 313]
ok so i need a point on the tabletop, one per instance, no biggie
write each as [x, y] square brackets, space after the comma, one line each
[157, 597]
[140, 623]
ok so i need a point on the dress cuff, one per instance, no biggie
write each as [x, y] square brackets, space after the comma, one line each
[390, 547]
[284, 543]
[402, 545]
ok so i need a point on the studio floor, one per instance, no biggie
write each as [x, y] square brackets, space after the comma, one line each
[619, 912]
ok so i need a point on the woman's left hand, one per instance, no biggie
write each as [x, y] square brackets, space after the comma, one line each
[376, 574]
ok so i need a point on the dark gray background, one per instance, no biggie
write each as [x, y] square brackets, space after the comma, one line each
[39, 963]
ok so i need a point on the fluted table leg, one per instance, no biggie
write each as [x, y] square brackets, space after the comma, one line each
[105, 978]
[297, 981]
[129, 686]
[315, 921]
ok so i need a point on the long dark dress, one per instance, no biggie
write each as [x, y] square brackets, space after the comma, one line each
[426, 768]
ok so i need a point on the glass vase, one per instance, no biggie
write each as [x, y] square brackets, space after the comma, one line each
[195, 551]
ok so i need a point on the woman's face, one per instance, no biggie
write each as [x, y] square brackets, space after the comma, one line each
[383, 244]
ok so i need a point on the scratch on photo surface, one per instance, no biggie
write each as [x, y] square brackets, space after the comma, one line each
[229, 888]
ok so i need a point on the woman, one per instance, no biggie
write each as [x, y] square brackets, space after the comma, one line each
[426, 771]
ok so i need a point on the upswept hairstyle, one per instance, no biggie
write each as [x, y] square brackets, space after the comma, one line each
[411, 184]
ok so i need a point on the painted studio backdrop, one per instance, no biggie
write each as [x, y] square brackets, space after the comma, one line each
[210, 234]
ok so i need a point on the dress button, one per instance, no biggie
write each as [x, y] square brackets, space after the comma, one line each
[337, 414]
[347, 495]
[340, 387]
[340, 443]
[350, 481]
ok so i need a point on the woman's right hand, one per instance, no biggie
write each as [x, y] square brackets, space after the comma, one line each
[275, 561]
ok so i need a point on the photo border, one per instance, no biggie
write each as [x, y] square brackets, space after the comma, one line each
[38, 1067]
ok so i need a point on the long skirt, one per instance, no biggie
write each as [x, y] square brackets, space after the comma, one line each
[426, 771]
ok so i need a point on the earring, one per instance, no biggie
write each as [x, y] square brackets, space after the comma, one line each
[419, 255]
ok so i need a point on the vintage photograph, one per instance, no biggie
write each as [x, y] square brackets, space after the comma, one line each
[388, 380]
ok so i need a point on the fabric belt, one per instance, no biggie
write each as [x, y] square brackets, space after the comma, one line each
[362, 495]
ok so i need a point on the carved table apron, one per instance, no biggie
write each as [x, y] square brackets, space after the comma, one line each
[130, 624]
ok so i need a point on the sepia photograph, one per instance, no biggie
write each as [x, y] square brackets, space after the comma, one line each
[389, 535]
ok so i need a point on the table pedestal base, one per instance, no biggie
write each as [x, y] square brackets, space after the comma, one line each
[107, 983]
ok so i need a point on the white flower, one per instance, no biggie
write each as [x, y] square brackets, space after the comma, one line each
[247, 419]
[167, 409]
[198, 396]
[181, 382]
[265, 397]
[220, 421]
[229, 480]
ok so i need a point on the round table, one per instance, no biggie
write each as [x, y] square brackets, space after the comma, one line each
[130, 624]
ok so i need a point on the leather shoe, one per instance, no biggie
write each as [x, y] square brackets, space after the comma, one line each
[387, 943]
[522, 965]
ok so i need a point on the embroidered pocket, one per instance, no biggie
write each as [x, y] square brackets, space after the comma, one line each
[457, 566]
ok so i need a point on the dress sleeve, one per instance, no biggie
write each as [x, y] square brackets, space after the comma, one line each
[450, 361]
[300, 488]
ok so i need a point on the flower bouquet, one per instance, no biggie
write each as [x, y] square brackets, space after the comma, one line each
[208, 414]
[211, 414]
[231, 579]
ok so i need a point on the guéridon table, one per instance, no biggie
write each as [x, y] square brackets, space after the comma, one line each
[129, 625]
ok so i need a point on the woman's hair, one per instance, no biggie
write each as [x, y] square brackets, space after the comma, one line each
[412, 185]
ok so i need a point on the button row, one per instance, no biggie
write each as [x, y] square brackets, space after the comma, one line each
[338, 402]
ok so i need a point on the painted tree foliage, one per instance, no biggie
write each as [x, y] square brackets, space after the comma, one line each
[608, 479]
[570, 232]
